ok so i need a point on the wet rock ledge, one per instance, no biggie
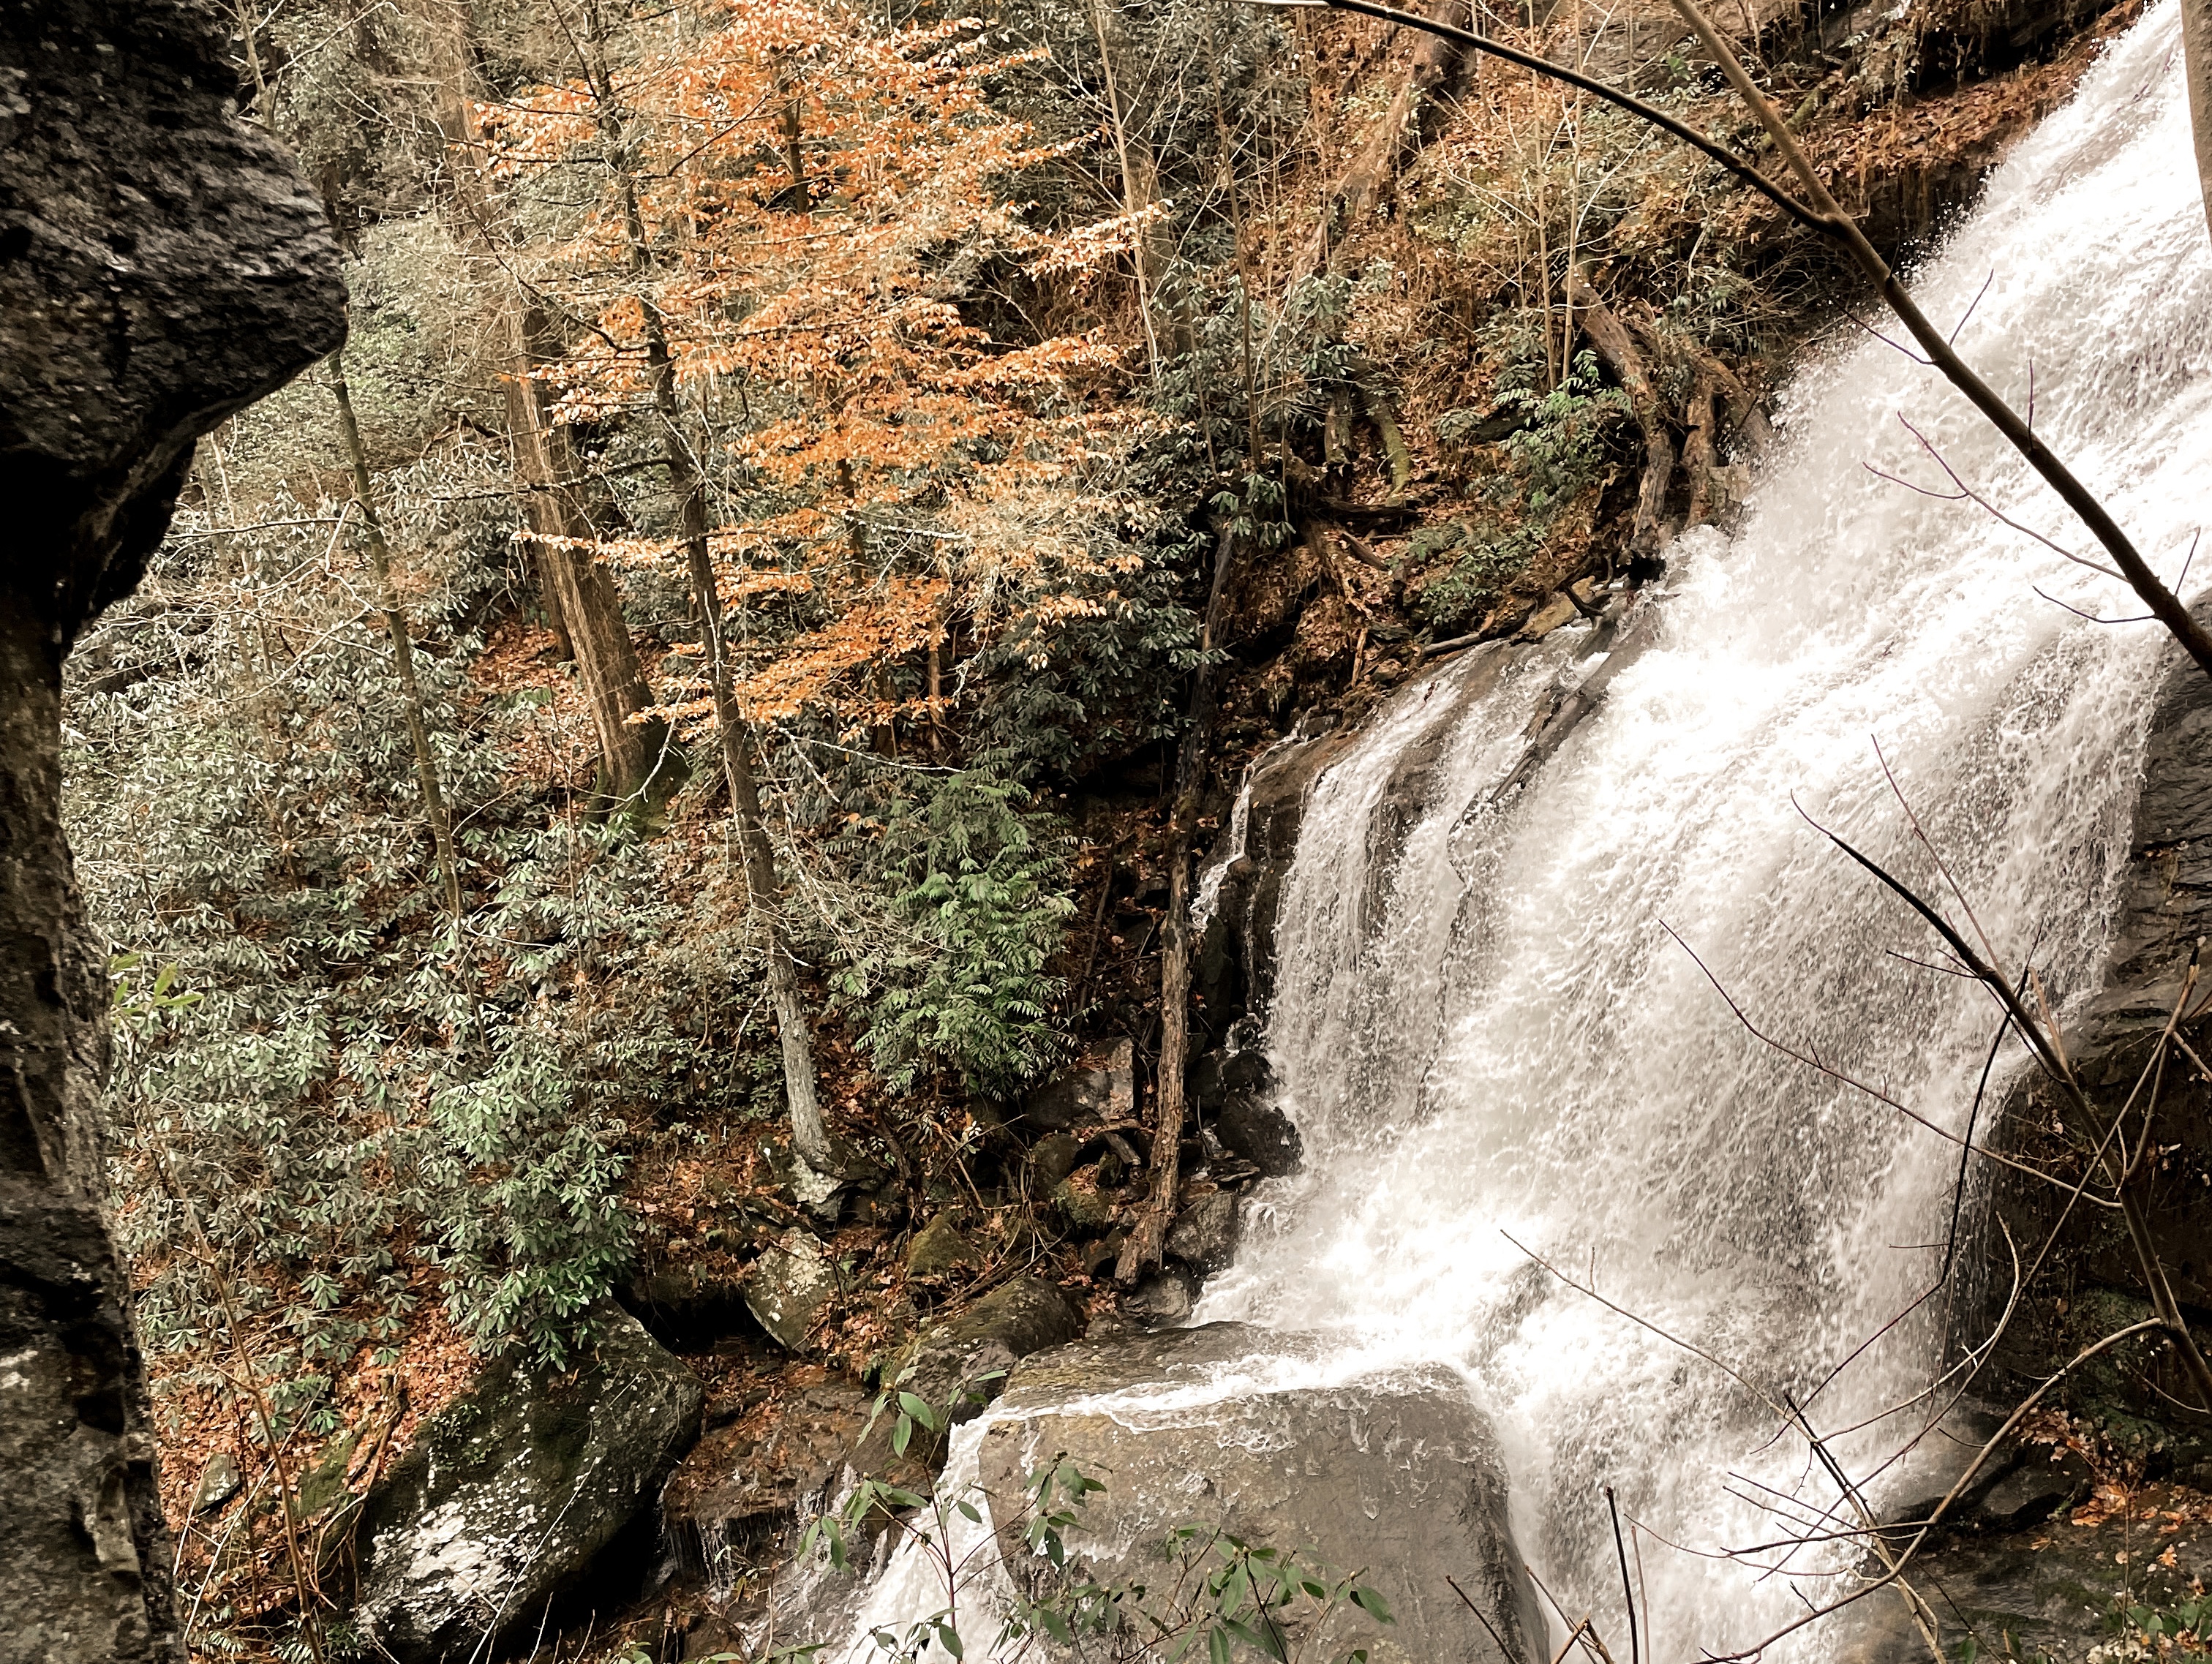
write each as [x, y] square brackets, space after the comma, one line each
[1395, 1476]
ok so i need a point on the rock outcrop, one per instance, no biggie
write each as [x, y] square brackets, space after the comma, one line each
[1099, 1091]
[1397, 1476]
[2164, 917]
[790, 1286]
[1234, 968]
[160, 267]
[960, 1365]
[512, 1490]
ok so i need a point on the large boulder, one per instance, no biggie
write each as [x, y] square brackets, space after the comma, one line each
[504, 1501]
[1100, 1090]
[960, 1366]
[161, 265]
[789, 1287]
[1251, 1125]
[1397, 1476]
[1204, 1235]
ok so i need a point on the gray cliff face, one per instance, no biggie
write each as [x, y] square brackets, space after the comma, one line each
[160, 266]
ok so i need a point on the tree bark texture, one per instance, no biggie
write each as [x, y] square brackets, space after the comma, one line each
[810, 1134]
[160, 267]
[1143, 1250]
[636, 758]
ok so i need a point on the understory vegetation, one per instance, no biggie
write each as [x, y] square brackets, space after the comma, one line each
[689, 708]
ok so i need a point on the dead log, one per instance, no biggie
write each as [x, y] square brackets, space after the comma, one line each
[1385, 418]
[1361, 553]
[1375, 166]
[1143, 1250]
[1699, 453]
[1741, 421]
[1336, 436]
[1610, 337]
[1328, 547]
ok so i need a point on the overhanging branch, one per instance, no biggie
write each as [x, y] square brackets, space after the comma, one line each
[1818, 211]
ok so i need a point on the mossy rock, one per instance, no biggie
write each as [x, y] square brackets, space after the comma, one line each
[939, 1249]
[508, 1495]
[1081, 1202]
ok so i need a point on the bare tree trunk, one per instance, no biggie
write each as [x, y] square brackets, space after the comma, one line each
[1699, 453]
[403, 644]
[1143, 1250]
[810, 1136]
[2196, 45]
[636, 759]
[1139, 178]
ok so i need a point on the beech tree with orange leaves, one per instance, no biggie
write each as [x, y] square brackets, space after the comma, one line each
[766, 279]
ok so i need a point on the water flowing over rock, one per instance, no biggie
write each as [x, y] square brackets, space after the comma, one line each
[1484, 1015]
[511, 1491]
[1486, 1024]
[739, 1483]
[160, 267]
[1396, 1476]
[2160, 928]
[1235, 954]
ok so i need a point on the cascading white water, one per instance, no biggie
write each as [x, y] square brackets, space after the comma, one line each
[1491, 1033]
[1495, 1036]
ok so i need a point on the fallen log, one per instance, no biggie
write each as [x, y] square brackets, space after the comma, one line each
[1610, 337]
[1374, 166]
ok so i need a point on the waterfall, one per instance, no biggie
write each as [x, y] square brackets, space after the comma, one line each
[1495, 1050]
[1491, 1039]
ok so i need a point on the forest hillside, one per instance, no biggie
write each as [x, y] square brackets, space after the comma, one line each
[682, 784]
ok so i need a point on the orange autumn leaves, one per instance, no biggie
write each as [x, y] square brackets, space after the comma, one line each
[803, 202]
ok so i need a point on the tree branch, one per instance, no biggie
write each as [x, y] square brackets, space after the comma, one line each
[1818, 211]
